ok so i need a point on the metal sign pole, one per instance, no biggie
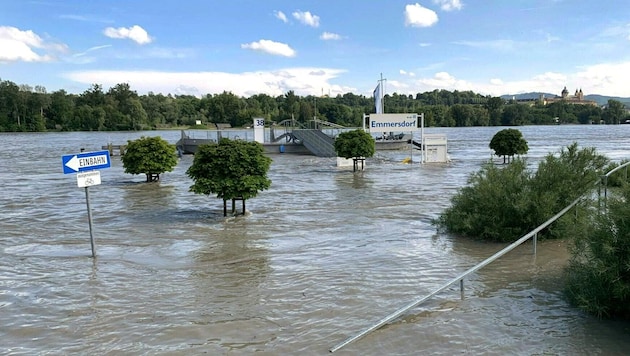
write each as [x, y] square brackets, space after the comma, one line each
[411, 145]
[87, 200]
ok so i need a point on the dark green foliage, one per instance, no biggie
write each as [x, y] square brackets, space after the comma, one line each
[230, 169]
[561, 179]
[507, 143]
[355, 143]
[149, 155]
[491, 206]
[24, 108]
[620, 177]
[502, 204]
[598, 275]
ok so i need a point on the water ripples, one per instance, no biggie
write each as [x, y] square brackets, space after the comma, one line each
[321, 255]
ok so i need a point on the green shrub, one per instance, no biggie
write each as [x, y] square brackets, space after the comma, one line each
[598, 275]
[502, 204]
[491, 206]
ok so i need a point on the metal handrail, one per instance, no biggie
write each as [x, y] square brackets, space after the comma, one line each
[604, 178]
[459, 278]
[532, 234]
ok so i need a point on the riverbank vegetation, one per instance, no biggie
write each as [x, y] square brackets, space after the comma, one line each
[503, 203]
[598, 275]
[25, 108]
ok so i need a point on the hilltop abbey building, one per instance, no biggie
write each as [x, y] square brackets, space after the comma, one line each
[577, 99]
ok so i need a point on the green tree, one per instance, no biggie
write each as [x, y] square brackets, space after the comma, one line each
[149, 155]
[231, 169]
[494, 106]
[614, 112]
[507, 143]
[515, 115]
[355, 144]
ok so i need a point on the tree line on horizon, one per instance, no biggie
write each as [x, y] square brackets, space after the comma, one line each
[32, 109]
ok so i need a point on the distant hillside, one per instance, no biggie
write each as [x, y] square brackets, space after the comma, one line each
[600, 99]
[603, 100]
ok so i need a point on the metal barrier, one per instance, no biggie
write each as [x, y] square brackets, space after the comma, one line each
[604, 179]
[532, 234]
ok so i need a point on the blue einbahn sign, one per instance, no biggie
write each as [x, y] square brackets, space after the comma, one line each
[86, 161]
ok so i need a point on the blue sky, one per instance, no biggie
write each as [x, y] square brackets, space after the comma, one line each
[196, 47]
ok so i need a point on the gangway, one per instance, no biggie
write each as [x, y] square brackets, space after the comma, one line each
[316, 141]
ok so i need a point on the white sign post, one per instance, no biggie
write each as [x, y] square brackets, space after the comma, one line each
[84, 165]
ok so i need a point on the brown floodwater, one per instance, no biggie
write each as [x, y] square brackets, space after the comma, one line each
[320, 256]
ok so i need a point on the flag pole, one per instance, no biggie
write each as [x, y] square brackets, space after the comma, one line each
[382, 95]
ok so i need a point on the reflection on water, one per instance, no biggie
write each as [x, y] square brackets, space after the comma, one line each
[321, 255]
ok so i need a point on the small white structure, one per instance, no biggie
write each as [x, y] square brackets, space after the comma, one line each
[435, 148]
[347, 162]
[259, 129]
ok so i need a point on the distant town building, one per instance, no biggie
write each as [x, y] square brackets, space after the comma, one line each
[577, 99]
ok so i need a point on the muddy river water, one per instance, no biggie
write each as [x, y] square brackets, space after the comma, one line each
[321, 255]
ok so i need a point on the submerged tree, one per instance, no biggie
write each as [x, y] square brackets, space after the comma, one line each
[149, 155]
[231, 169]
[507, 143]
[355, 144]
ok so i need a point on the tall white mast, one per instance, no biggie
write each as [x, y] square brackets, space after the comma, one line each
[382, 93]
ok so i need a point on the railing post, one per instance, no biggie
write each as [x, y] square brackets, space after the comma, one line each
[534, 240]
[605, 189]
[461, 288]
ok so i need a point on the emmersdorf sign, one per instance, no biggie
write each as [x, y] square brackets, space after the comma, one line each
[393, 122]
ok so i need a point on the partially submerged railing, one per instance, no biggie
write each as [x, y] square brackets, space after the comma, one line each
[532, 234]
[604, 179]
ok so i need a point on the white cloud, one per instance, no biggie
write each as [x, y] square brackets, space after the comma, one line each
[134, 33]
[418, 16]
[271, 47]
[404, 72]
[18, 45]
[613, 78]
[443, 80]
[424, 44]
[329, 36]
[449, 5]
[497, 45]
[306, 18]
[281, 16]
[303, 81]
[83, 57]
[604, 78]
